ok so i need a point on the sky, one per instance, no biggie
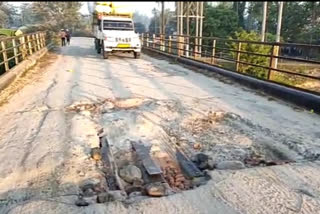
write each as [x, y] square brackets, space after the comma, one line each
[142, 7]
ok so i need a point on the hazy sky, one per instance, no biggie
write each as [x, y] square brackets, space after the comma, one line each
[142, 7]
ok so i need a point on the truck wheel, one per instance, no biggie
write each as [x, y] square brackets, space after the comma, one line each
[105, 54]
[136, 55]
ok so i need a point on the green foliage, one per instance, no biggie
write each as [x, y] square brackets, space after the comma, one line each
[7, 32]
[141, 21]
[139, 27]
[239, 7]
[56, 15]
[154, 26]
[300, 20]
[253, 59]
[220, 21]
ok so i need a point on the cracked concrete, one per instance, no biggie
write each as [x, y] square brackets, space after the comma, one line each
[45, 150]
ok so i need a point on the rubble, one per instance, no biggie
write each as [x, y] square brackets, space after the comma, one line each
[201, 160]
[232, 165]
[130, 173]
[111, 196]
[96, 153]
[156, 189]
[176, 179]
[80, 202]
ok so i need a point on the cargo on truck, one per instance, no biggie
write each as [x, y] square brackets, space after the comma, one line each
[113, 29]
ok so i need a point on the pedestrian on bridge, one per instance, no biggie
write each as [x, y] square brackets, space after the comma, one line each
[68, 36]
[63, 37]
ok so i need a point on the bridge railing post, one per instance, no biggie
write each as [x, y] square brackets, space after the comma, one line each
[29, 44]
[34, 48]
[38, 42]
[187, 47]
[15, 50]
[142, 39]
[154, 41]
[238, 57]
[169, 48]
[213, 51]
[148, 40]
[23, 47]
[33, 43]
[163, 42]
[41, 40]
[272, 61]
[44, 39]
[180, 45]
[5, 56]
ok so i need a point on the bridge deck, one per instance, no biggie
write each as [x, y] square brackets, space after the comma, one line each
[44, 148]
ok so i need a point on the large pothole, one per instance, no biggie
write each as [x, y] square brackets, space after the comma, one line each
[156, 148]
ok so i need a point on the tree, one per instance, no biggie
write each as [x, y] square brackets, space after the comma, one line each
[139, 27]
[154, 22]
[239, 7]
[141, 19]
[26, 14]
[56, 15]
[300, 22]
[220, 21]
[5, 11]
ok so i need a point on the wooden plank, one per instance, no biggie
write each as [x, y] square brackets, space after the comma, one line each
[143, 154]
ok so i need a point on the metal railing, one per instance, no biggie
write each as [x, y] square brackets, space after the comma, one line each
[263, 60]
[16, 49]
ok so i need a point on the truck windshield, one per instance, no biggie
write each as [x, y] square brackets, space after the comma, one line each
[117, 25]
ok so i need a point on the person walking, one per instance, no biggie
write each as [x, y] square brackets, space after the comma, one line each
[68, 36]
[63, 37]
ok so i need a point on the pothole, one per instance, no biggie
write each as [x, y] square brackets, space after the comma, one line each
[152, 148]
[106, 106]
[225, 141]
[142, 172]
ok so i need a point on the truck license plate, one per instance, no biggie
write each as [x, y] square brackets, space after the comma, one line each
[123, 46]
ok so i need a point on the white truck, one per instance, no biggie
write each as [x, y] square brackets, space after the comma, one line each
[114, 31]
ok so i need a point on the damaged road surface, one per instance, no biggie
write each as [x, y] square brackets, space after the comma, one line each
[146, 135]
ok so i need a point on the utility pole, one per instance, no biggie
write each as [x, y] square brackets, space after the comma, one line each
[162, 19]
[278, 32]
[279, 21]
[264, 21]
[201, 24]
[188, 29]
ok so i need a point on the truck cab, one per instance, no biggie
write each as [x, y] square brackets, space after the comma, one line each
[116, 34]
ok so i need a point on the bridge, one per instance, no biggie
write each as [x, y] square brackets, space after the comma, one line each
[263, 145]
